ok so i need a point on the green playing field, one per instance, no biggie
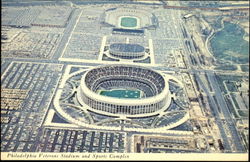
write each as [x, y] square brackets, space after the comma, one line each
[119, 93]
[128, 22]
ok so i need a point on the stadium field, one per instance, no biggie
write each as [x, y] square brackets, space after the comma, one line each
[128, 22]
[121, 93]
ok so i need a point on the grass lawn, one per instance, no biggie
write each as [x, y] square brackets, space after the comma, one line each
[122, 93]
[128, 22]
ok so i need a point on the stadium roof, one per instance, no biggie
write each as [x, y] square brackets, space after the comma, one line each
[138, 31]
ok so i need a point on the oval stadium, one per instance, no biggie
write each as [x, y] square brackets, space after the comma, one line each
[124, 90]
[126, 51]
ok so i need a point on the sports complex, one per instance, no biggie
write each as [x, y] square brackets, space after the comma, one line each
[123, 95]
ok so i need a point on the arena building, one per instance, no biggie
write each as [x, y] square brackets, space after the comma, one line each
[152, 86]
[126, 51]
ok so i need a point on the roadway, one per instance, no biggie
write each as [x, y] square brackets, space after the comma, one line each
[230, 123]
[222, 115]
[67, 33]
[216, 114]
[220, 110]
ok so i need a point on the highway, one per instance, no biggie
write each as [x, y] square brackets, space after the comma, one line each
[223, 118]
[220, 110]
[229, 122]
[216, 113]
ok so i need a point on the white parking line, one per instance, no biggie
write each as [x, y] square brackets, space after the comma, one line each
[104, 38]
[151, 49]
[62, 54]
[127, 40]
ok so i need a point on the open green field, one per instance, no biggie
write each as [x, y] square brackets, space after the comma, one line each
[228, 44]
[128, 22]
[122, 93]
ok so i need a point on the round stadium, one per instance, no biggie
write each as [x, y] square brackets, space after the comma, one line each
[126, 51]
[126, 90]
[121, 96]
